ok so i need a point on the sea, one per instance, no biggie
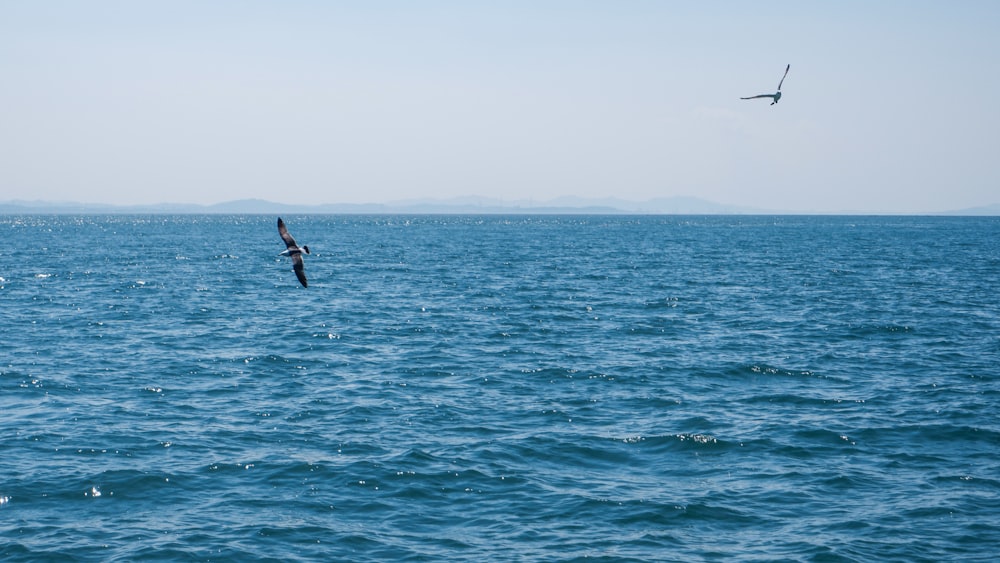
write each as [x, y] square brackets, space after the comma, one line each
[500, 388]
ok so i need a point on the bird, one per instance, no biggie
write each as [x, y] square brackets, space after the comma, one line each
[777, 95]
[295, 252]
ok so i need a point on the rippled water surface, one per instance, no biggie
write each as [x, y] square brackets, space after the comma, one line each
[524, 388]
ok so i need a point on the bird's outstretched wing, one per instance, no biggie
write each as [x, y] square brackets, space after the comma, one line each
[283, 231]
[783, 76]
[758, 96]
[300, 270]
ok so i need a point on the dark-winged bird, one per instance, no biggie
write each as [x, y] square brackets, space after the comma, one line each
[777, 95]
[294, 251]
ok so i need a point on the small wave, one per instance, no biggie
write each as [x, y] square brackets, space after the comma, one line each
[698, 438]
[666, 303]
[683, 440]
[819, 436]
[875, 330]
[764, 369]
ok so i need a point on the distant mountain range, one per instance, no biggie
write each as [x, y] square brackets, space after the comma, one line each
[462, 205]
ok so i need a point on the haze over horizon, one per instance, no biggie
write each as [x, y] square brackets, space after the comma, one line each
[888, 107]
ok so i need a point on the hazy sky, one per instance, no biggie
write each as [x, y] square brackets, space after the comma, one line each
[889, 106]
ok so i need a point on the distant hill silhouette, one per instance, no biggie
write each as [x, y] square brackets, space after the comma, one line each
[460, 205]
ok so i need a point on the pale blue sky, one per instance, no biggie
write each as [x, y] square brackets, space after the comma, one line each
[889, 106]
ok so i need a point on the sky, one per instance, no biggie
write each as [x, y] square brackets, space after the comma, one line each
[889, 106]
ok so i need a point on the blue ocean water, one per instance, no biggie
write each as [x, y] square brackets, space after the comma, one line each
[501, 388]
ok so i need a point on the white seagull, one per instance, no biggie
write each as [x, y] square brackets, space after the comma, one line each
[777, 95]
[294, 251]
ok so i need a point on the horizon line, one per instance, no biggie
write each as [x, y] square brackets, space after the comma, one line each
[668, 205]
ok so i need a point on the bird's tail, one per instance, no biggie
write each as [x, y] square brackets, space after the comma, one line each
[306, 248]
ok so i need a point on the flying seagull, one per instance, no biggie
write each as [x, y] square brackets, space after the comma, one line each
[776, 95]
[295, 251]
